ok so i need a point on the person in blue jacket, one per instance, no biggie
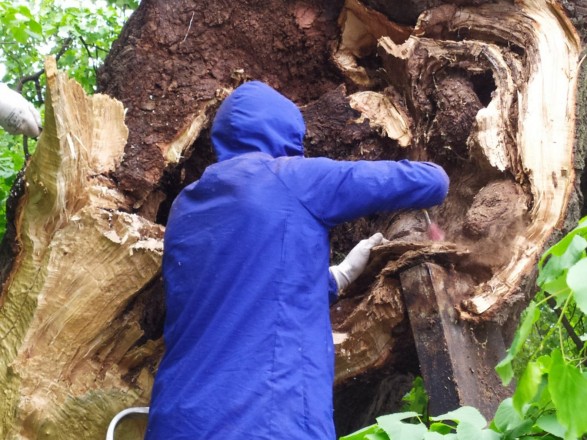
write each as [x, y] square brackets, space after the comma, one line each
[249, 351]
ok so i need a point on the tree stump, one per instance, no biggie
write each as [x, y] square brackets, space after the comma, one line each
[489, 90]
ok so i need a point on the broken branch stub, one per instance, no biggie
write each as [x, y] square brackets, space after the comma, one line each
[69, 332]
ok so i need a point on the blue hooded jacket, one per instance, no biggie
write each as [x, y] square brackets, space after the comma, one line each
[249, 351]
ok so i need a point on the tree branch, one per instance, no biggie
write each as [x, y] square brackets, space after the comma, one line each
[566, 324]
[35, 77]
[89, 53]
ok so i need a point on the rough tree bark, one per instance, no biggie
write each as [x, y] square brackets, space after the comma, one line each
[489, 89]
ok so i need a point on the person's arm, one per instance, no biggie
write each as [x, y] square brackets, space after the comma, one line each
[17, 115]
[340, 191]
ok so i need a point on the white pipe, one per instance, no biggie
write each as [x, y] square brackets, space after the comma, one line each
[122, 414]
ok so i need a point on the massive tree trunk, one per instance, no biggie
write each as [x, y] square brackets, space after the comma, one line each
[486, 89]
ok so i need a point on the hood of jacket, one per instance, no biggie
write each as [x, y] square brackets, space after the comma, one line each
[257, 118]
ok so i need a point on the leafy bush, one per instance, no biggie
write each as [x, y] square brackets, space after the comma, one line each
[550, 350]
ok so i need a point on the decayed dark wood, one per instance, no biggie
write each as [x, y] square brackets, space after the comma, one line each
[456, 358]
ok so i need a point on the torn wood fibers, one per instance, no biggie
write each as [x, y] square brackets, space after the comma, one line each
[72, 350]
[66, 342]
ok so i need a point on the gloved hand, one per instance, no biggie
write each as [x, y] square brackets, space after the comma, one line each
[17, 115]
[356, 261]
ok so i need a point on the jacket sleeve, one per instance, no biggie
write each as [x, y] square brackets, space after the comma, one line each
[340, 191]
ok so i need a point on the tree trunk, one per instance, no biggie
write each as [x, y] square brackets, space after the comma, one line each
[489, 90]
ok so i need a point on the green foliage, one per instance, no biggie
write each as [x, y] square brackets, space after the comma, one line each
[416, 399]
[548, 356]
[78, 33]
[465, 423]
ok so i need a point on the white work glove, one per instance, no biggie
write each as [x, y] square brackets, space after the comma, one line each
[17, 115]
[355, 262]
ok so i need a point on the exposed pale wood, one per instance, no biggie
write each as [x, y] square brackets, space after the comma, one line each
[361, 27]
[544, 139]
[363, 337]
[66, 341]
[384, 115]
[174, 150]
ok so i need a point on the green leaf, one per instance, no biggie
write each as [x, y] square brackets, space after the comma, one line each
[22, 9]
[524, 428]
[35, 28]
[396, 417]
[20, 34]
[417, 398]
[466, 414]
[545, 363]
[577, 281]
[437, 436]
[558, 288]
[361, 433]
[568, 389]
[397, 430]
[572, 251]
[434, 436]
[561, 246]
[549, 423]
[468, 431]
[527, 386]
[504, 368]
[441, 428]
[377, 436]
[506, 417]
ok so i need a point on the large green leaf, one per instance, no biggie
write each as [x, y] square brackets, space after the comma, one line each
[395, 427]
[506, 417]
[561, 246]
[557, 264]
[550, 424]
[577, 281]
[466, 414]
[396, 417]
[437, 436]
[398, 430]
[361, 433]
[469, 431]
[527, 386]
[568, 389]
